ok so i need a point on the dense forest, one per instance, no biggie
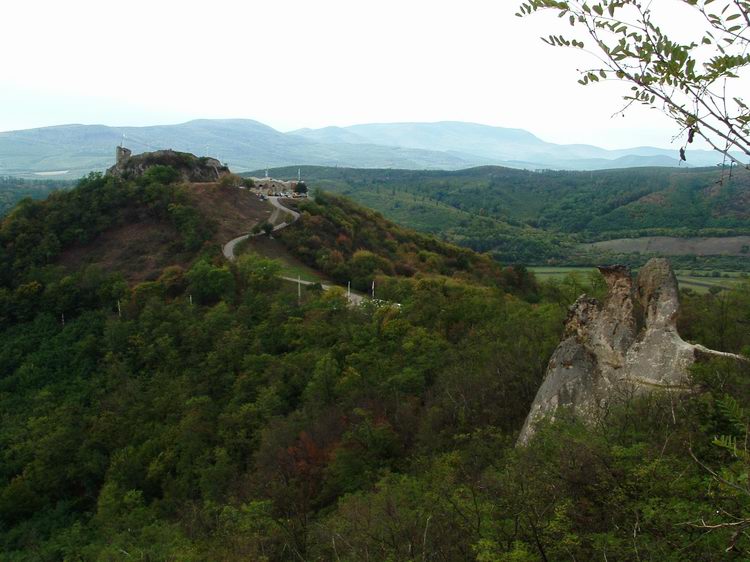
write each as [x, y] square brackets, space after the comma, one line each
[210, 414]
[538, 217]
[350, 243]
[12, 190]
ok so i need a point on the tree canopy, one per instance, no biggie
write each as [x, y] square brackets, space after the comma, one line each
[216, 414]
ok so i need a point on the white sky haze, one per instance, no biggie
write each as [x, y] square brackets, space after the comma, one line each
[293, 64]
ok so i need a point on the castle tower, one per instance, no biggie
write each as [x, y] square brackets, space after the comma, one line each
[122, 155]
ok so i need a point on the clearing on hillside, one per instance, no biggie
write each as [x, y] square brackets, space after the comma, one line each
[673, 246]
[274, 249]
[235, 211]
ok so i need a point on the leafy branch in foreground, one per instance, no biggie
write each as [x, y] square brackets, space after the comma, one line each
[734, 477]
[696, 83]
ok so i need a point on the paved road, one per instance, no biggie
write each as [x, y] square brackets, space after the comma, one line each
[276, 202]
[229, 247]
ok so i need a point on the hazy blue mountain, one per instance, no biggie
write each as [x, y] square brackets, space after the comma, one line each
[502, 145]
[332, 135]
[245, 145]
[490, 142]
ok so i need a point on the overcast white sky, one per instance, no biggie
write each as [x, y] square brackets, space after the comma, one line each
[303, 63]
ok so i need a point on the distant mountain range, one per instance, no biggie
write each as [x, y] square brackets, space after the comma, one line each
[246, 145]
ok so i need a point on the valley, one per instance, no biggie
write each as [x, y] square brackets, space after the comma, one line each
[543, 219]
[564, 218]
[165, 384]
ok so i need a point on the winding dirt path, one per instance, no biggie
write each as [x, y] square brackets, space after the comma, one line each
[229, 247]
[279, 209]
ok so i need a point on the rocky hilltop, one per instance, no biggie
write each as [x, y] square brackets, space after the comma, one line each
[617, 349]
[190, 167]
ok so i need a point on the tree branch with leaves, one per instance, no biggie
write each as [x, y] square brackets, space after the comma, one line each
[733, 477]
[696, 84]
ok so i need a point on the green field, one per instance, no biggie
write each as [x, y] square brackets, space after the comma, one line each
[559, 273]
[703, 282]
[700, 283]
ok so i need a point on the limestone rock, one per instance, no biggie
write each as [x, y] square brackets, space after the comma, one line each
[190, 167]
[619, 348]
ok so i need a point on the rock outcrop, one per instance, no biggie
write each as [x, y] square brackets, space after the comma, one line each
[620, 348]
[190, 167]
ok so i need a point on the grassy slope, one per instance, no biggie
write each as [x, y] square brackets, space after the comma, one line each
[274, 249]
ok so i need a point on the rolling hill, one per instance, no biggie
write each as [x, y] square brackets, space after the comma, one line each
[244, 144]
[70, 151]
[515, 147]
[550, 216]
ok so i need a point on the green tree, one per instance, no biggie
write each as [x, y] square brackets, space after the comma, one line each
[161, 174]
[209, 283]
[694, 83]
[258, 273]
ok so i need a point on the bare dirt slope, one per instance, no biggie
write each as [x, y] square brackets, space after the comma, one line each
[139, 250]
[143, 247]
[234, 210]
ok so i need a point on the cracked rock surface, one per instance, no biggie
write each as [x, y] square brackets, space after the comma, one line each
[619, 348]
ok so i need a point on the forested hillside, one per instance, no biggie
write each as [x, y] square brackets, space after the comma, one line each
[540, 217]
[210, 414]
[350, 243]
[37, 235]
[12, 190]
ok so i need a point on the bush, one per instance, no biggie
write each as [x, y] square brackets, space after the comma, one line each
[230, 180]
[208, 283]
[161, 174]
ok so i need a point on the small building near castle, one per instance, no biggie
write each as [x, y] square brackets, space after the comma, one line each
[271, 186]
